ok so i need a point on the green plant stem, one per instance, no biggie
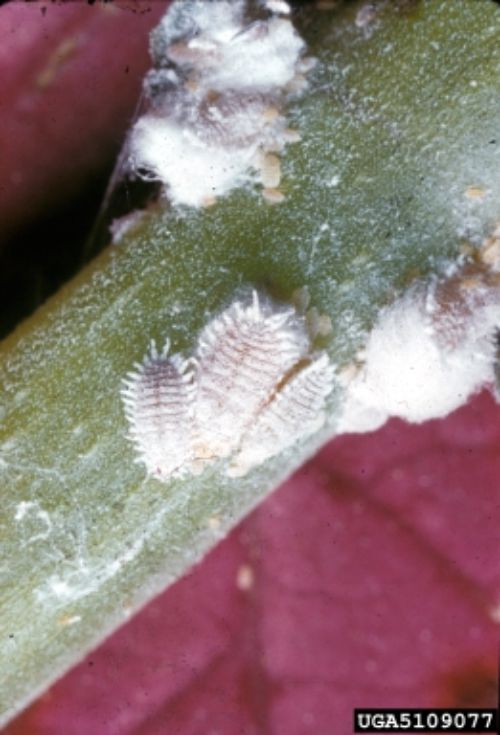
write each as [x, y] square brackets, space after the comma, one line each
[399, 120]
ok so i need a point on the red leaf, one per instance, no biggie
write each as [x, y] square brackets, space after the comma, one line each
[70, 75]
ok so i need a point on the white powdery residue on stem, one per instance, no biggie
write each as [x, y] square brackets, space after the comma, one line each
[216, 107]
[35, 523]
[87, 575]
[428, 352]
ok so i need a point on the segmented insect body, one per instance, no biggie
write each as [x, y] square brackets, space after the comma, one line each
[242, 355]
[295, 412]
[252, 389]
[158, 400]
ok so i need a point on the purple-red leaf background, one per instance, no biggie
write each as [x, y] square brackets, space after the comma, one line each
[370, 579]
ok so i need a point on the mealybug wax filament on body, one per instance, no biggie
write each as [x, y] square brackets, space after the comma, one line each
[252, 389]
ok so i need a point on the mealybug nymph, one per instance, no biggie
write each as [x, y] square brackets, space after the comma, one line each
[252, 389]
[158, 400]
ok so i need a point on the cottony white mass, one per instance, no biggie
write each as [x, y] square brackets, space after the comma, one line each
[420, 365]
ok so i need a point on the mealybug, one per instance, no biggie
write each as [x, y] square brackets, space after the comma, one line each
[252, 389]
